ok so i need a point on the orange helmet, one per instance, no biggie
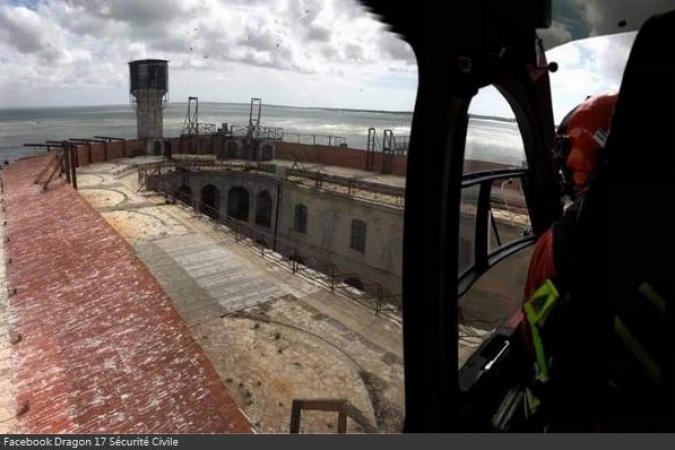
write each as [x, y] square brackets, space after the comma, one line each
[587, 131]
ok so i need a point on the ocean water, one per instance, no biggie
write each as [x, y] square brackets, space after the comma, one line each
[487, 139]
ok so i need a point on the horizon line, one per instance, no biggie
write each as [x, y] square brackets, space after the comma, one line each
[330, 108]
[205, 102]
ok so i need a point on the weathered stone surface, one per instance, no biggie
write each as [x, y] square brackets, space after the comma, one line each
[7, 403]
[103, 349]
[272, 335]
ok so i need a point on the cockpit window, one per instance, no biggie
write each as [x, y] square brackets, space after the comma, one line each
[493, 139]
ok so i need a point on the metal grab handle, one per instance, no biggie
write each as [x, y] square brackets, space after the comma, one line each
[492, 362]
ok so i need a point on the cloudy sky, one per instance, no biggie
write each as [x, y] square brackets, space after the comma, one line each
[296, 52]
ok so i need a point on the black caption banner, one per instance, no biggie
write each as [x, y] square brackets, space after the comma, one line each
[334, 441]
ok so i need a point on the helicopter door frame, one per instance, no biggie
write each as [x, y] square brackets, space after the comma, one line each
[431, 232]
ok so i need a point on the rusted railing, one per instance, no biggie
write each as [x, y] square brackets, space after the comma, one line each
[343, 407]
[314, 139]
[354, 187]
[46, 175]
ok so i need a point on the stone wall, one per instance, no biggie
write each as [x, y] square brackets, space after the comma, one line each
[329, 218]
[328, 233]
[256, 185]
[329, 214]
[104, 151]
[228, 148]
[337, 156]
[149, 113]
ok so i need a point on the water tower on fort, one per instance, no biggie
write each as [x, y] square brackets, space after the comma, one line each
[148, 87]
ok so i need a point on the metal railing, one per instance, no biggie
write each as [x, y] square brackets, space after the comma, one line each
[271, 133]
[359, 189]
[286, 252]
[46, 175]
[314, 139]
[343, 407]
[354, 186]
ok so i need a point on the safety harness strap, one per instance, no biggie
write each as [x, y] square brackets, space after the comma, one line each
[537, 310]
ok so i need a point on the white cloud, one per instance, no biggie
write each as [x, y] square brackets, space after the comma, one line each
[60, 45]
[29, 33]
[302, 52]
[581, 19]
[610, 16]
[588, 67]
[555, 35]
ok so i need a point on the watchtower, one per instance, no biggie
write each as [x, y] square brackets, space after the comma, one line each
[148, 88]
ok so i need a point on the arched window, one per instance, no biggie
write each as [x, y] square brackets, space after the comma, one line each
[358, 237]
[300, 222]
[494, 142]
[263, 209]
[237, 203]
[209, 204]
[494, 216]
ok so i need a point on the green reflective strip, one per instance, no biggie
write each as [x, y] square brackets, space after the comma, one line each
[531, 402]
[650, 366]
[650, 294]
[537, 310]
[541, 303]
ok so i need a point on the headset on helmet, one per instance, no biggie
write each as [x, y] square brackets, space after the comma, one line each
[562, 145]
[579, 141]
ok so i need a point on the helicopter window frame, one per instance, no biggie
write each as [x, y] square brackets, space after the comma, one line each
[483, 258]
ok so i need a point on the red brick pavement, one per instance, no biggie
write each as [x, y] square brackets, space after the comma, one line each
[102, 349]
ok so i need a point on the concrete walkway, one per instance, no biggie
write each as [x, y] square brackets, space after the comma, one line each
[230, 280]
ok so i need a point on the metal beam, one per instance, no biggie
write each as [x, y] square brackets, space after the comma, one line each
[110, 139]
[87, 141]
[66, 158]
[73, 166]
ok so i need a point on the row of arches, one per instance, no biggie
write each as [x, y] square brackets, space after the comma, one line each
[238, 201]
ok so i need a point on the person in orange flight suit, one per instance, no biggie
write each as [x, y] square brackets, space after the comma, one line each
[580, 139]
[579, 143]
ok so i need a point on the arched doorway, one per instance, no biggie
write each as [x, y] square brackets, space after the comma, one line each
[209, 201]
[237, 203]
[263, 209]
[184, 194]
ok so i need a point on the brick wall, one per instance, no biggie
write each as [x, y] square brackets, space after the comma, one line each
[98, 151]
[317, 154]
[337, 156]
